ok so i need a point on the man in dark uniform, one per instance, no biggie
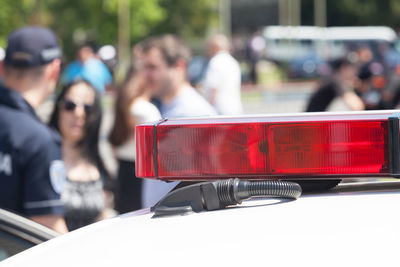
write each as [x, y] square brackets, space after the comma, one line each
[31, 170]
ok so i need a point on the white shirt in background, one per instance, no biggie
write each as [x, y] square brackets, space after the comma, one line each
[143, 111]
[223, 75]
[188, 103]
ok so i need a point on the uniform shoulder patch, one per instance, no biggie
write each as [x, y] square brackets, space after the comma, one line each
[58, 175]
[5, 164]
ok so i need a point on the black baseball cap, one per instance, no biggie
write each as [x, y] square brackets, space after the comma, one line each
[31, 46]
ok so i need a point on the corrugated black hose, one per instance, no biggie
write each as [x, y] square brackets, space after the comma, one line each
[220, 194]
[233, 191]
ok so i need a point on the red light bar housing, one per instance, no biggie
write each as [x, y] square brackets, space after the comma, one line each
[299, 146]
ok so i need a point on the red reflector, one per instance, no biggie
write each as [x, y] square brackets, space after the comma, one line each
[299, 146]
[145, 162]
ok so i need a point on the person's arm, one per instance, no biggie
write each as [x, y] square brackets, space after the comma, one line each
[353, 101]
[108, 211]
[143, 111]
[43, 175]
[55, 222]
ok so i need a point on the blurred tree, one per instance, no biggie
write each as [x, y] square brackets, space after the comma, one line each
[364, 12]
[187, 18]
[13, 14]
[356, 12]
[76, 21]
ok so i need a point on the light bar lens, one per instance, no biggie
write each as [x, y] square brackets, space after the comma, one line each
[329, 148]
[145, 151]
[300, 149]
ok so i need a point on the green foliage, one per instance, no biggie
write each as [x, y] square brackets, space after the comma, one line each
[78, 20]
[356, 12]
[11, 17]
[145, 16]
[187, 18]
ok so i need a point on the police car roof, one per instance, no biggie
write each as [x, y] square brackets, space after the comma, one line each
[350, 226]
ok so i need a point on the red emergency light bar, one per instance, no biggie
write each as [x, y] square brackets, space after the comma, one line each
[301, 146]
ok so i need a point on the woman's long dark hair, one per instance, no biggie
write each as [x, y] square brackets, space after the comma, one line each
[132, 88]
[89, 144]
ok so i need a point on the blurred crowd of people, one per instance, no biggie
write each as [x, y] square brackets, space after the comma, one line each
[54, 173]
[363, 79]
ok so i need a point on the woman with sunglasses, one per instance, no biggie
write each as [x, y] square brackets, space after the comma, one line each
[77, 116]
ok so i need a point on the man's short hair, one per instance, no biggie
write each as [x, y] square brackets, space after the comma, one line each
[337, 64]
[33, 73]
[171, 48]
[220, 41]
[92, 45]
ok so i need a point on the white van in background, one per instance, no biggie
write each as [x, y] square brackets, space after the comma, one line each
[307, 48]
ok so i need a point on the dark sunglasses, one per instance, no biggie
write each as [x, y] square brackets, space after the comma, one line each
[69, 105]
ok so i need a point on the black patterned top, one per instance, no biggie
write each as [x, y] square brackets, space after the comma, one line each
[83, 202]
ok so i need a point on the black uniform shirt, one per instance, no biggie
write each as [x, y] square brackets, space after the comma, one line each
[31, 171]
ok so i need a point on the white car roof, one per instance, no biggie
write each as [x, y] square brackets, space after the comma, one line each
[334, 229]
